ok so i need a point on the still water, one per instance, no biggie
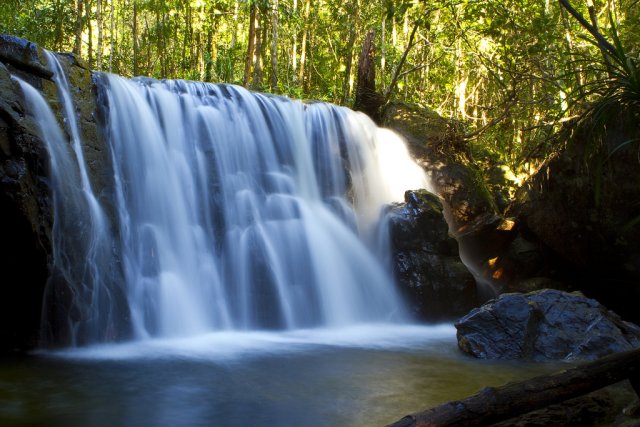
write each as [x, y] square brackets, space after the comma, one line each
[362, 376]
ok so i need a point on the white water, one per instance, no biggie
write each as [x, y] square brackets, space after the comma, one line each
[231, 211]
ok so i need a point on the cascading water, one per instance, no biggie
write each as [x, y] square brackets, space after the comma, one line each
[229, 210]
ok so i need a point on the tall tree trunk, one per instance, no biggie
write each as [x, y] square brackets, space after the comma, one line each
[570, 49]
[208, 55]
[252, 43]
[261, 33]
[90, 33]
[77, 46]
[305, 35]
[274, 47]
[135, 37]
[58, 8]
[112, 37]
[99, 23]
[346, 84]
[163, 41]
[234, 36]
[294, 54]
[383, 48]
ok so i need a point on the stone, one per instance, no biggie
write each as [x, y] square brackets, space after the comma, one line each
[582, 206]
[439, 147]
[25, 204]
[435, 282]
[544, 325]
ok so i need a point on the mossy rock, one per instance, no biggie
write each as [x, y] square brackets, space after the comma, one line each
[438, 145]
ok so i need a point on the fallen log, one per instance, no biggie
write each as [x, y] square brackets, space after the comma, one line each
[494, 404]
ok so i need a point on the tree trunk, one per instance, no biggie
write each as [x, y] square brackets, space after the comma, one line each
[346, 85]
[89, 33]
[367, 99]
[58, 8]
[491, 405]
[99, 23]
[294, 54]
[274, 47]
[251, 46]
[77, 46]
[112, 38]
[303, 45]
[261, 36]
[135, 37]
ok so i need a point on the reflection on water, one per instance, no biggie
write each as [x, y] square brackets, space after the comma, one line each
[362, 376]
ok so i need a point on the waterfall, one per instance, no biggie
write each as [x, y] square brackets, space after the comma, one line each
[225, 210]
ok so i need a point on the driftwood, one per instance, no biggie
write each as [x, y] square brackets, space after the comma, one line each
[491, 405]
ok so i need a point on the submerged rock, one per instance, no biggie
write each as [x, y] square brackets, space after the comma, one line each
[427, 266]
[545, 325]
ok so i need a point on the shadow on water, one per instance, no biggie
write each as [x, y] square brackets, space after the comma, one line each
[260, 379]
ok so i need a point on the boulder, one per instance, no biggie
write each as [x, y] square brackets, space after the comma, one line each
[544, 325]
[426, 263]
[583, 207]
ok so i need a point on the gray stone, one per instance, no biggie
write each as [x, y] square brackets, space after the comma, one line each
[545, 325]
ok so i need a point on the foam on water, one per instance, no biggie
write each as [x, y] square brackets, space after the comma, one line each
[231, 345]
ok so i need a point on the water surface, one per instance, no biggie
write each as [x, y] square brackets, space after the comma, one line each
[361, 376]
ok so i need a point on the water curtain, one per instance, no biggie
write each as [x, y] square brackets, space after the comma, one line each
[224, 210]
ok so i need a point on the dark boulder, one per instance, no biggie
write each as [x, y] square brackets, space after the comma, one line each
[427, 266]
[583, 206]
[544, 325]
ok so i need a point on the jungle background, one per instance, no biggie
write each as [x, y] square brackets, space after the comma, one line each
[508, 73]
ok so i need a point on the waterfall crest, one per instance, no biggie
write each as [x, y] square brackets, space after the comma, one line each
[228, 210]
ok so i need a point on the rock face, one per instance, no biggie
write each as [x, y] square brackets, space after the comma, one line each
[25, 214]
[25, 205]
[544, 325]
[427, 266]
[583, 206]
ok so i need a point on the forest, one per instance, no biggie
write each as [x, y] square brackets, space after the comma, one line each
[509, 73]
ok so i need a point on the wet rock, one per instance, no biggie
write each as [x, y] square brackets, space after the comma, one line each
[438, 145]
[23, 55]
[25, 217]
[427, 266]
[544, 325]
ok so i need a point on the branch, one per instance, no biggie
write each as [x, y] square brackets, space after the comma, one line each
[604, 44]
[491, 405]
[396, 75]
[493, 122]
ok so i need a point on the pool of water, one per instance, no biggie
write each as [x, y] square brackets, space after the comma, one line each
[364, 376]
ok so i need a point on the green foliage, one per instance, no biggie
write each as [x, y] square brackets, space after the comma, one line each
[511, 71]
